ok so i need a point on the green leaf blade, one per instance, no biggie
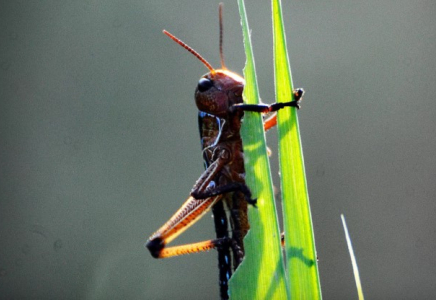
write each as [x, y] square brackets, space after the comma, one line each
[302, 269]
[261, 275]
[353, 260]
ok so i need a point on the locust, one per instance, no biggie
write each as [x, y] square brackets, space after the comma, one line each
[221, 187]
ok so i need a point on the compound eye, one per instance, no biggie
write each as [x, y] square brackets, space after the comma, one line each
[204, 84]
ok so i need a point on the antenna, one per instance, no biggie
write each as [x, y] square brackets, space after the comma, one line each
[195, 53]
[223, 66]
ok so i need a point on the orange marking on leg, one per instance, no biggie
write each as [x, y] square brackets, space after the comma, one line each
[270, 122]
[187, 249]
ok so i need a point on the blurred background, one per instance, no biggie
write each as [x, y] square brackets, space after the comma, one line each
[99, 142]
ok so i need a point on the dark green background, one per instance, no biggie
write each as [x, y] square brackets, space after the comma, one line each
[99, 141]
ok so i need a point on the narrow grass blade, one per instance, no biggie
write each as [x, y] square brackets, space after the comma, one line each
[302, 269]
[261, 275]
[353, 260]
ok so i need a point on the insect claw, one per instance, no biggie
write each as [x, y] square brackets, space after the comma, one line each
[252, 201]
[298, 93]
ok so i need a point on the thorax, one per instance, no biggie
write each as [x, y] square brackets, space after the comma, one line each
[219, 135]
